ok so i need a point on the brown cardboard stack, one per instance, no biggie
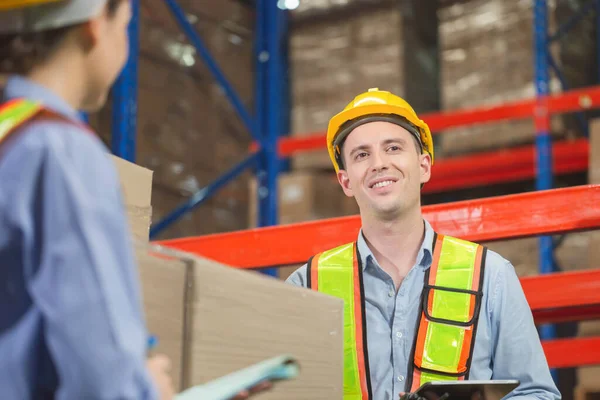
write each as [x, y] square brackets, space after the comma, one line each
[165, 290]
[487, 58]
[588, 376]
[334, 60]
[136, 184]
[214, 320]
[305, 196]
[188, 133]
[578, 55]
[571, 255]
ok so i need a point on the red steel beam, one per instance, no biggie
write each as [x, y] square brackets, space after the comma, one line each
[573, 100]
[567, 353]
[505, 166]
[564, 296]
[494, 218]
[508, 165]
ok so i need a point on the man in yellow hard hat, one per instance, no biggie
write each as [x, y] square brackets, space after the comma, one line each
[71, 320]
[419, 306]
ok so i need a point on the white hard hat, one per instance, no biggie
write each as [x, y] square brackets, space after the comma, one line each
[25, 16]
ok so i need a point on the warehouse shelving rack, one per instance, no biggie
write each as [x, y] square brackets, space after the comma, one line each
[268, 124]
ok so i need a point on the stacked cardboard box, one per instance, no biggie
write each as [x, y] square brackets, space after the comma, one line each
[587, 377]
[136, 184]
[188, 133]
[334, 60]
[212, 320]
[305, 196]
[571, 255]
[486, 49]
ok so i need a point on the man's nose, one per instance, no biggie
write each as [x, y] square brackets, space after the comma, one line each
[380, 161]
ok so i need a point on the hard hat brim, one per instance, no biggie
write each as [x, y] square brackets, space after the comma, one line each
[48, 15]
[353, 113]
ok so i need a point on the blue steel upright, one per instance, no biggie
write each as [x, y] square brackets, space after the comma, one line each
[269, 52]
[542, 140]
[125, 94]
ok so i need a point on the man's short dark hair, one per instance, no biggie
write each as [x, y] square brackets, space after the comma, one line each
[20, 52]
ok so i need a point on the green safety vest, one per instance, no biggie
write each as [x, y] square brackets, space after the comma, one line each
[451, 299]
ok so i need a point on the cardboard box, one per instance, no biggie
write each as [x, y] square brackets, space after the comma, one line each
[571, 255]
[188, 132]
[588, 376]
[136, 185]
[486, 50]
[305, 196]
[212, 319]
[334, 60]
[233, 318]
[165, 293]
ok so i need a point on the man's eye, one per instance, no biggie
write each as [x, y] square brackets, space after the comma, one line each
[394, 148]
[360, 155]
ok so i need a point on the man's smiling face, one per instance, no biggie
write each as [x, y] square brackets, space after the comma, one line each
[383, 169]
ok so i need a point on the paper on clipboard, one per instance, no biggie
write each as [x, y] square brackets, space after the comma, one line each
[224, 388]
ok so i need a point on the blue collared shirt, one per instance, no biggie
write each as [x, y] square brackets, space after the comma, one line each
[507, 345]
[71, 322]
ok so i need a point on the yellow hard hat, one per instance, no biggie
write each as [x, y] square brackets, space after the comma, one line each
[16, 4]
[375, 105]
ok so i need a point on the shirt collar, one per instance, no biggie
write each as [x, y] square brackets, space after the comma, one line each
[20, 87]
[424, 257]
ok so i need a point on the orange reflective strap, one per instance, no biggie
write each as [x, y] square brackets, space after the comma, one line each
[449, 312]
[313, 273]
[360, 326]
[15, 113]
[338, 272]
[424, 323]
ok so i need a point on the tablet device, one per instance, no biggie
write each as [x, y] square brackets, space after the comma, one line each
[468, 390]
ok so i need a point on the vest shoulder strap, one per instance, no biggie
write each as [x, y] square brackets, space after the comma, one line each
[15, 113]
[342, 256]
[450, 306]
[338, 272]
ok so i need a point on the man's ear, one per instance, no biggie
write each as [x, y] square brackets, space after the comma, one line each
[425, 167]
[93, 29]
[344, 181]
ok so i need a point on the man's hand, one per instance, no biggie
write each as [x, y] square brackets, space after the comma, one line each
[261, 387]
[426, 396]
[412, 396]
[432, 396]
[160, 370]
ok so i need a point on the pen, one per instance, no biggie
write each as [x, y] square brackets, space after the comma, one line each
[152, 342]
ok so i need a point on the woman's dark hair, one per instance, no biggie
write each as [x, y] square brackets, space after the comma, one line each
[20, 52]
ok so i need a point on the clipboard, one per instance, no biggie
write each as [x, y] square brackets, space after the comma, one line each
[465, 390]
[279, 368]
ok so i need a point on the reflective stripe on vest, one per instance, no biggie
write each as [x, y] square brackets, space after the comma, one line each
[14, 114]
[447, 320]
[337, 272]
[449, 312]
